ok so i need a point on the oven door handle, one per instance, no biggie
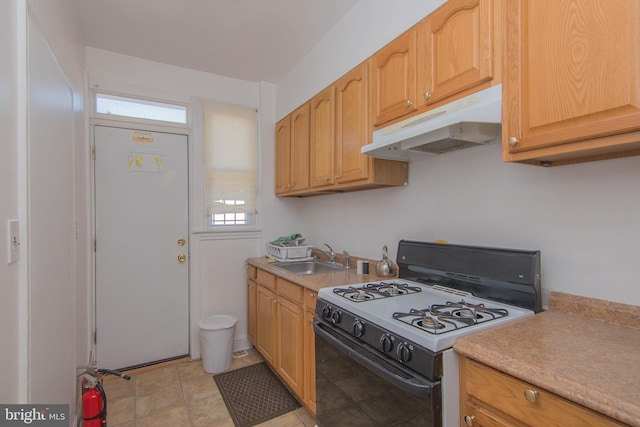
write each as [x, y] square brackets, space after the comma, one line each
[387, 369]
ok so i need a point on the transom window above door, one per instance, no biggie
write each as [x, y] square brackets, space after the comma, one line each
[135, 108]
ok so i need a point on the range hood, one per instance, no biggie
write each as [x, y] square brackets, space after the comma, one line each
[467, 122]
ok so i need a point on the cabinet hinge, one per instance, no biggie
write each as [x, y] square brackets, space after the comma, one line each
[95, 336]
[93, 152]
[95, 244]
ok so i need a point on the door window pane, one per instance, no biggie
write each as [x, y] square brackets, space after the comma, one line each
[140, 109]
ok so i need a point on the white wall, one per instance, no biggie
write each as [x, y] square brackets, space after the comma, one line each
[9, 292]
[57, 262]
[584, 217]
[218, 275]
[20, 311]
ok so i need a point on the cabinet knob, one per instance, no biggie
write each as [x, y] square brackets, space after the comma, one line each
[513, 141]
[531, 395]
[426, 96]
[407, 103]
[312, 295]
[469, 420]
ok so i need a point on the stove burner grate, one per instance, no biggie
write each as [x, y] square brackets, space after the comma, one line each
[373, 291]
[443, 318]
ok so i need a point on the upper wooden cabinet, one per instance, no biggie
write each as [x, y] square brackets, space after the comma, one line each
[339, 125]
[292, 152]
[456, 48]
[394, 79]
[352, 124]
[322, 138]
[572, 77]
[283, 155]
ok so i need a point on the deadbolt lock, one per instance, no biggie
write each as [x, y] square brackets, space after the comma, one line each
[181, 242]
[182, 257]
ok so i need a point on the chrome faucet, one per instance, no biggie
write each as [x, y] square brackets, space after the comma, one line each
[331, 254]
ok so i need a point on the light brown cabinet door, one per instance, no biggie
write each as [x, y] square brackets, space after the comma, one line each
[495, 399]
[251, 311]
[394, 79]
[455, 47]
[572, 74]
[309, 392]
[283, 153]
[322, 138]
[299, 165]
[290, 343]
[352, 124]
[266, 323]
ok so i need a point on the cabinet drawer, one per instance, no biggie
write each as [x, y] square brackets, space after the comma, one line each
[266, 279]
[310, 298]
[251, 272]
[509, 396]
[289, 290]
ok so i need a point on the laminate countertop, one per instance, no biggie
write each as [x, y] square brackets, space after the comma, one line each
[315, 282]
[583, 349]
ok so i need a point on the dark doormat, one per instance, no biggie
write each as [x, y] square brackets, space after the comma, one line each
[254, 394]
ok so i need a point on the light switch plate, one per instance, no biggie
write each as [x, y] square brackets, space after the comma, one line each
[13, 241]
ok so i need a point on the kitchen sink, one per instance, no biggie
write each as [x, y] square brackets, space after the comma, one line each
[308, 267]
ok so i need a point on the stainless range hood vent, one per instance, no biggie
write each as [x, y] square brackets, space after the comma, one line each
[468, 122]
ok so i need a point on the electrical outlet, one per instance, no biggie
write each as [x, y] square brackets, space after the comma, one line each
[13, 241]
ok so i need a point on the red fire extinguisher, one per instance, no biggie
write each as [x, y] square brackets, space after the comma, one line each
[94, 403]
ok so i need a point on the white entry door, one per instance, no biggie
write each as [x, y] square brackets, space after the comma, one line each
[141, 205]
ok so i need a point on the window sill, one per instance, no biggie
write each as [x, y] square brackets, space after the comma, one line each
[209, 234]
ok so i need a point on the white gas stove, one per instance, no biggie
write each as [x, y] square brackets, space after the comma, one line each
[379, 344]
[431, 316]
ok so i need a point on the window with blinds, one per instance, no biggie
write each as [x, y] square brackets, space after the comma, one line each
[231, 160]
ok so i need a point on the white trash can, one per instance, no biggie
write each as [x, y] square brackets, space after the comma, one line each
[216, 342]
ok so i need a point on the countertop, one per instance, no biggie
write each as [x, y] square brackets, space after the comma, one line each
[585, 350]
[315, 282]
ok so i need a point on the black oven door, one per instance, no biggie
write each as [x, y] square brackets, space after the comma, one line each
[358, 386]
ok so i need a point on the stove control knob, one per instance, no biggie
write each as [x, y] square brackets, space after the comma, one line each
[336, 317]
[358, 328]
[404, 352]
[386, 342]
[326, 312]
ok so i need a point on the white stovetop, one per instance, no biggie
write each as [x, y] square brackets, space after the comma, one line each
[380, 312]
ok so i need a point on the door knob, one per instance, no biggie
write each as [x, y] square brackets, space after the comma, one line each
[182, 257]
[181, 242]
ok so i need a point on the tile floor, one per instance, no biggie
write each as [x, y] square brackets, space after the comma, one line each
[181, 395]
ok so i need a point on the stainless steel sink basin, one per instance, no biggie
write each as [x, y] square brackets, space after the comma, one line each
[308, 267]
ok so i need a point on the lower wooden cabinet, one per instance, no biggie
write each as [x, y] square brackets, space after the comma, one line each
[309, 389]
[282, 313]
[251, 310]
[265, 323]
[289, 322]
[492, 398]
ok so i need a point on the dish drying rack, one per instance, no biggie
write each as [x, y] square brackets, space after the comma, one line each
[289, 253]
